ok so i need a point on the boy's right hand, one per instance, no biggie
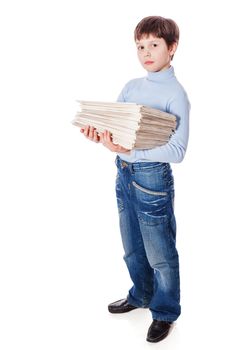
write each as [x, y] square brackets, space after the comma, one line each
[105, 138]
[91, 133]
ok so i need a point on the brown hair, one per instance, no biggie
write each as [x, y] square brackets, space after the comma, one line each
[160, 27]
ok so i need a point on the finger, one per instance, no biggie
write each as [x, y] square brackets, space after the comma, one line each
[101, 137]
[108, 136]
[82, 128]
[86, 131]
[104, 135]
[91, 130]
[95, 136]
[108, 142]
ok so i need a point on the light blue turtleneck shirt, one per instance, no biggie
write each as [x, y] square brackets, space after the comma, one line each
[160, 90]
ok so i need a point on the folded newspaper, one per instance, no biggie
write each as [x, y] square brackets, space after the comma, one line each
[132, 125]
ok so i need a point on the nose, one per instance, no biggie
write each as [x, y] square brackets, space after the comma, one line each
[147, 53]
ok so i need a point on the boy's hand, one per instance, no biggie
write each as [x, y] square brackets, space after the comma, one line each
[90, 133]
[105, 139]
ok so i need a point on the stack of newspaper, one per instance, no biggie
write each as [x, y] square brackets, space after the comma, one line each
[132, 126]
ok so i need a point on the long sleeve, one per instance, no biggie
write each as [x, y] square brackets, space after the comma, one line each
[174, 150]
[121, 97]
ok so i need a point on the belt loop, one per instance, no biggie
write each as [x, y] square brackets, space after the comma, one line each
[132, 168]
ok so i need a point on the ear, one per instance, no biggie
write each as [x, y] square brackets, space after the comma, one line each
[173, 48]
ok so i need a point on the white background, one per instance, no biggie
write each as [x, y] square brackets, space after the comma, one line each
[60, 251]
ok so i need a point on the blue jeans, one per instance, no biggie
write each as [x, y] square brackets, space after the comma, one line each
[145, 199]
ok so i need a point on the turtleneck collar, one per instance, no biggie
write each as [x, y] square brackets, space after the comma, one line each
[161, 76]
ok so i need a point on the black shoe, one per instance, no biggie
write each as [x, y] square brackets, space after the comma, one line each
[120, 306]
[158, 331]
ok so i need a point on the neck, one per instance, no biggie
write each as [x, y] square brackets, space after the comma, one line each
[162, 75]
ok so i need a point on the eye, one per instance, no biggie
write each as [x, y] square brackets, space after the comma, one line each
[140, 47]
[154, 45]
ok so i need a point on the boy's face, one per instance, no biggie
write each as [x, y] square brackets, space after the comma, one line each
[153, 53]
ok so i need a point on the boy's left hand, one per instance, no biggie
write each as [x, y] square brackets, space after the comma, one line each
[105, 139]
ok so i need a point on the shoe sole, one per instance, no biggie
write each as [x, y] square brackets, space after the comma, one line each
[163, 336]
[113, 311]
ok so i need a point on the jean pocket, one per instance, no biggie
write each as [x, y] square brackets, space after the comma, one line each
[152, 205]
[145, 190]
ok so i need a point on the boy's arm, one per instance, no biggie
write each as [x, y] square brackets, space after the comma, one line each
[174, 150]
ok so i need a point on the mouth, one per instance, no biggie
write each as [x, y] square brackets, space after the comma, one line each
[148, 62]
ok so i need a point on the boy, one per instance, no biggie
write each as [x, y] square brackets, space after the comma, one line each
[145, 184]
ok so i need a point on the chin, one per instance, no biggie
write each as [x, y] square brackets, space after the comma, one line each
[151, 69]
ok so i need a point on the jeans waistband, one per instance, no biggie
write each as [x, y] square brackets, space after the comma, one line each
[121, 164]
